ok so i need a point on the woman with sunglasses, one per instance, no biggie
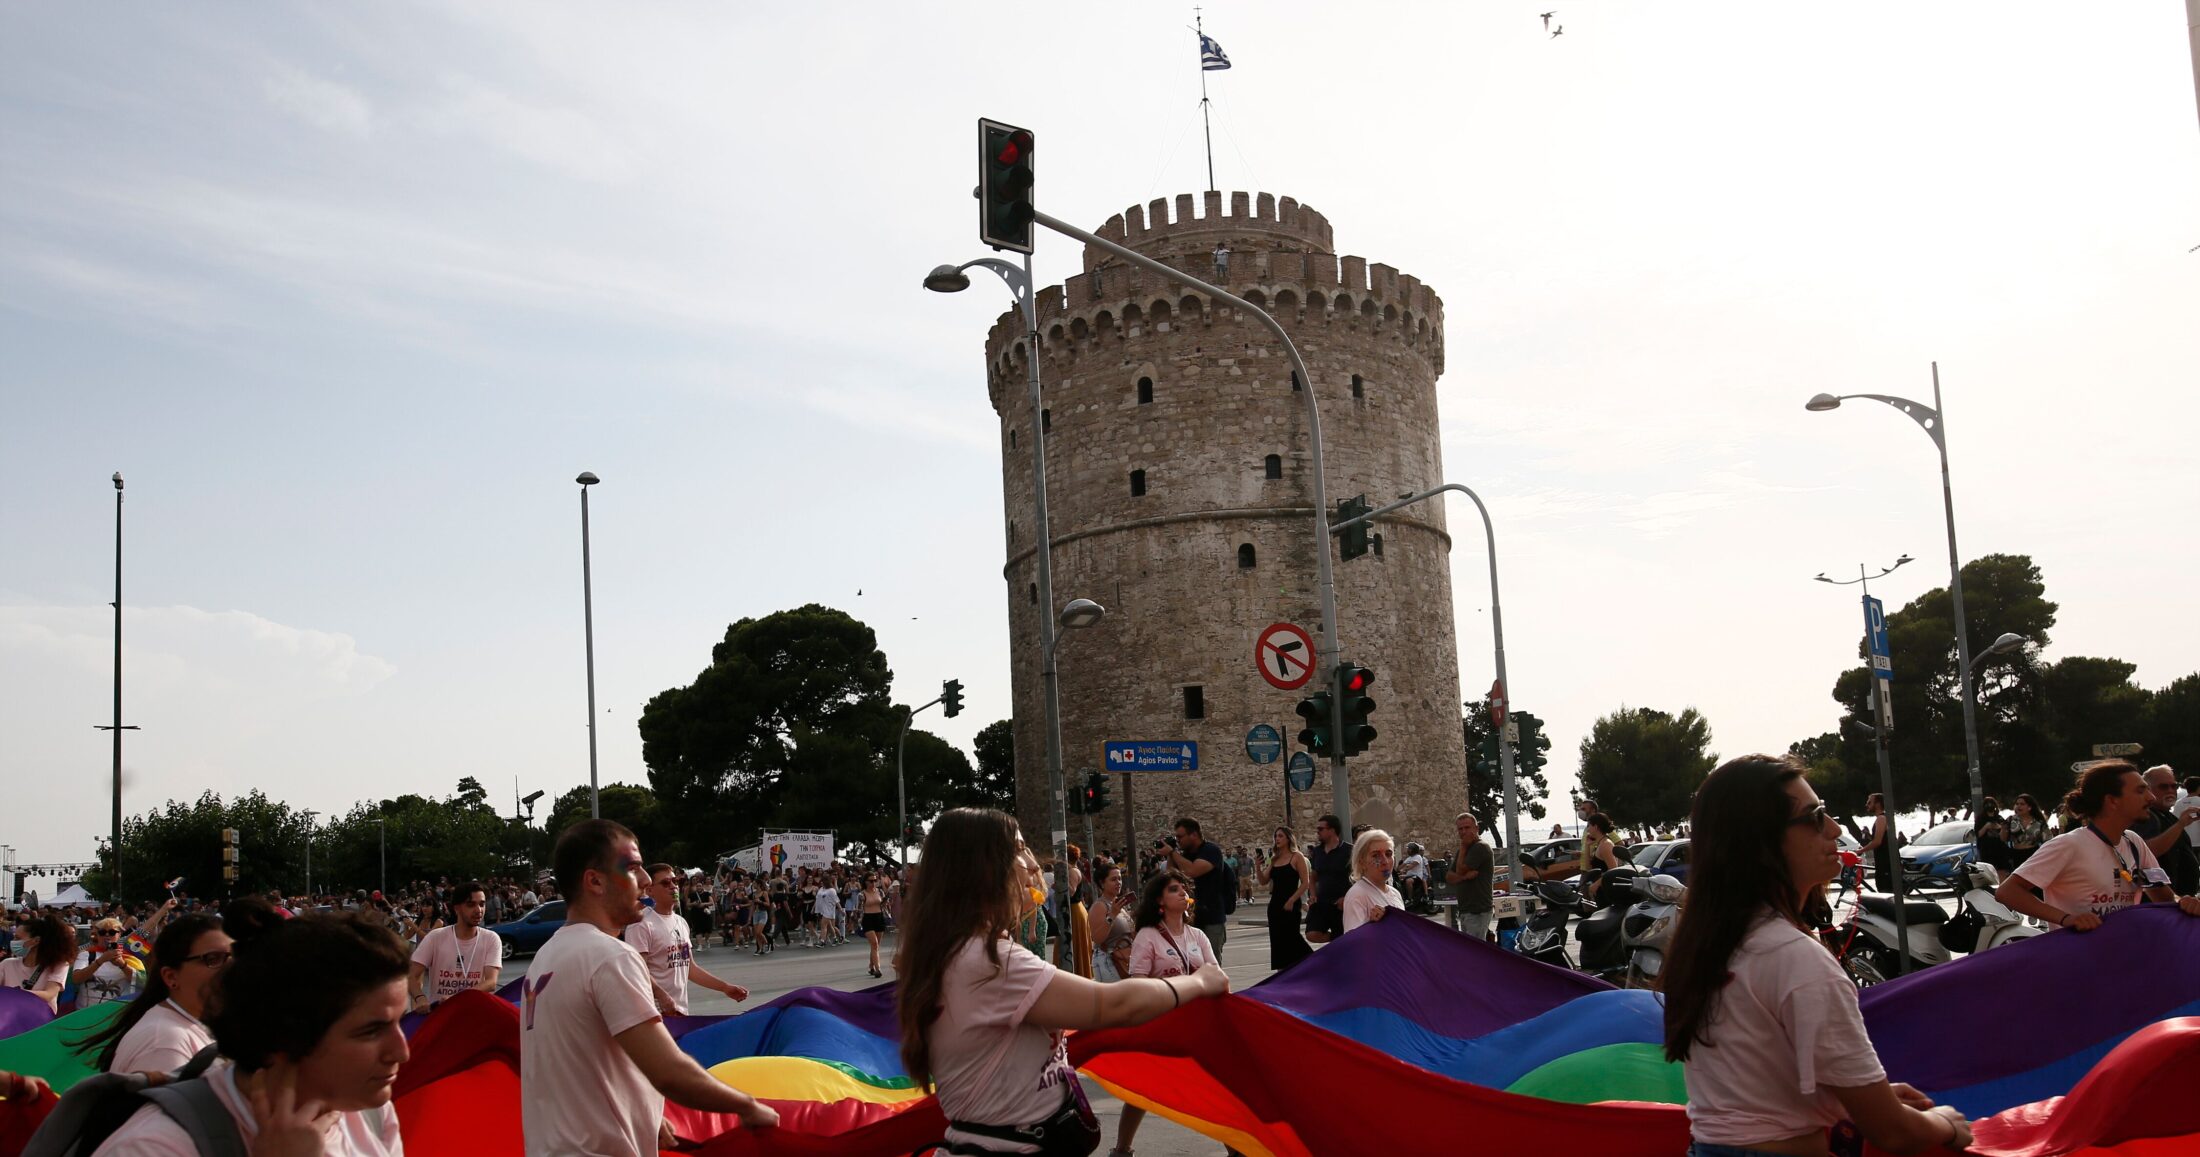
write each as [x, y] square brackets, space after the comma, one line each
[982, 1018]
[105, 971]
[165, 1026]
[1759, 1014]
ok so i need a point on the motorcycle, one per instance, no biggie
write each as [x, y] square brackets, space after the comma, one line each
[1543, 935]
[1603, 929]
[1981, 922]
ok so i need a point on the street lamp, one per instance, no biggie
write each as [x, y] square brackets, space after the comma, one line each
[1076, 615]
[309, 853]
[1880, 736]
[114, 844]
[588, 626]
[1935, 424]
[953, 279]
[382, 878]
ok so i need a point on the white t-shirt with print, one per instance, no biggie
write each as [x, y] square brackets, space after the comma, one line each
[1152, 954]
[669, 950]
[453, 965]
[112, 982]
[2078, 872]
[1364, 897]
[579, 1091]
[152, 1133]
[1783, 1033]
[162, 1041]
[989, 1066]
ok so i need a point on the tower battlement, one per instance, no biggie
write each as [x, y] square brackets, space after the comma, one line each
[1281, 258]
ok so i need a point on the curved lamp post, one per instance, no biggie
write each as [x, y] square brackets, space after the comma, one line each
[1935, 424]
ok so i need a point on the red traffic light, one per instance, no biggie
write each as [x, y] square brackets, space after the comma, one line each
[1013, 149]
[1358, 678]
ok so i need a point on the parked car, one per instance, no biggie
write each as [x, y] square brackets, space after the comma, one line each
[529, 933]
[1662, 858]
[1936, 859]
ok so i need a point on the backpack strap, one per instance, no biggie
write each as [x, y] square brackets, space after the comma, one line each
[199, 1109]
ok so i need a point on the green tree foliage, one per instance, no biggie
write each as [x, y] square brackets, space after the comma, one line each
[1485, 793]
[642, 813]
[1642, 766]
[2172, 729]
[2034, 719]
[995, 748]
[791, 725]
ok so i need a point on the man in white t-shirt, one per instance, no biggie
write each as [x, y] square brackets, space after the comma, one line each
[456, 957]
[667, 947]
[596, 1063]
[2099, 868]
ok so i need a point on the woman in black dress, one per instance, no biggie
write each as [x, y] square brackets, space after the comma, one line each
[1289, 877]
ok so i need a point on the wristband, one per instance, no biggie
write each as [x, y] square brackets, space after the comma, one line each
[1175, 998]
[2064, 922]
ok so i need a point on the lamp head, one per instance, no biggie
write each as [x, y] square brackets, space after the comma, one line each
[530, 800]
[947, 279]
[1822, 402]
[1081, 613]
[118, 479]
[2008, 642]
[588, 478]
[1900, 561]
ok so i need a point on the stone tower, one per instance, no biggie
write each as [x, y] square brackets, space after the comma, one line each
[1178, 489]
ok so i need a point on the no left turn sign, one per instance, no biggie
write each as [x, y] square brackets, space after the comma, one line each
[1285, 655]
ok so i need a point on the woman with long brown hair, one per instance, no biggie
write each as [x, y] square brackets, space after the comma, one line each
[1759, 1014]
[982, 1018]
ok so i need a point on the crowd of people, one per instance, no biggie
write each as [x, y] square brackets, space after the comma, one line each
[288, 1009]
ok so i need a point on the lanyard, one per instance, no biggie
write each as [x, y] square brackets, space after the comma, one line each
[2125, 873]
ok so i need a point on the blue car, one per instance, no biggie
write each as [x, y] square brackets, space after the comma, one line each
[529, 933]
[1936, 859]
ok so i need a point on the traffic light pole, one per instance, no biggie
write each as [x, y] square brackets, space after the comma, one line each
[901, 783]
[1497, 630]
[1331, 652]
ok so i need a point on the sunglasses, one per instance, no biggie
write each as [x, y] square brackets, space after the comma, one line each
[215, 959]
[1815, 819]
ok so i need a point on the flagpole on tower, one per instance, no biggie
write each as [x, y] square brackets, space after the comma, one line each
[1205, 125]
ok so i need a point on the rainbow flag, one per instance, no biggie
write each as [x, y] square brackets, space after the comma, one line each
[1423, 1039]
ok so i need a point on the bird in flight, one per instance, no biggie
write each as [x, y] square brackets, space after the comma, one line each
[1547, 19]
[1558, 32]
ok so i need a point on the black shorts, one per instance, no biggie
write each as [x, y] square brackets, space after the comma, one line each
[1323, 916]
[874, 921]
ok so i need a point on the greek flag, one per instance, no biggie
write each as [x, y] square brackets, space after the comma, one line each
[1211, 58]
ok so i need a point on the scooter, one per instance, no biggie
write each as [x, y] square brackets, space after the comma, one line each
[1981, 922]
[1543, 936]
[1602, 933]
[1649, 928]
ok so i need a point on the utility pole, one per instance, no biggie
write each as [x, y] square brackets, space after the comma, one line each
[114, 844]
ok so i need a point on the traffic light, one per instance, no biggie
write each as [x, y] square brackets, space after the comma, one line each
[951, 698]
[1074, 797]
[1004, 186]
[1096, 792]
[1487, 762]
[1352, 541]
[1353, 683]
[1315, 709]
[1533, 743]
[229, 854]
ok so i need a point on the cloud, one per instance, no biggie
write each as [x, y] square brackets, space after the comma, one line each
[222, 698]
[324, 104]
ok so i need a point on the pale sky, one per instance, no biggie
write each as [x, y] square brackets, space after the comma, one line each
[350, 294]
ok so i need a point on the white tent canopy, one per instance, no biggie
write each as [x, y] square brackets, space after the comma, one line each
[74, 896]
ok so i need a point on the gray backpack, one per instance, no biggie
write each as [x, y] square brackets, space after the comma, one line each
[95, 1107]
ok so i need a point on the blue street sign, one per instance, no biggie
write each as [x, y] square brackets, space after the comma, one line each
[1150, 755]
[1263, 744]
[1875, 630]
[1302, 771]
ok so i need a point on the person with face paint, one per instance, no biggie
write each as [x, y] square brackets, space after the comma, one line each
[596, 1062]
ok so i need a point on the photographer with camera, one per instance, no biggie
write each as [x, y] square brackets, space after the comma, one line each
[1190, 853]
